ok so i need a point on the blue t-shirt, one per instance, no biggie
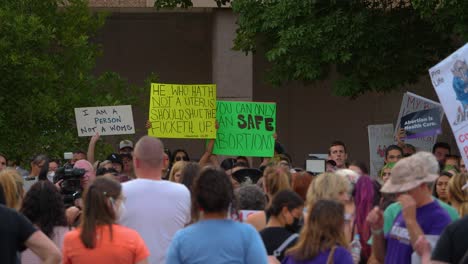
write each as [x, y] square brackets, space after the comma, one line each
[432, 219]
[217, 241]
[341, 256]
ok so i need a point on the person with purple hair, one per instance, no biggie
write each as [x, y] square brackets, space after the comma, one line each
[363, 198]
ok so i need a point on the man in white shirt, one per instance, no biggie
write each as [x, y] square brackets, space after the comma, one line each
[154, 207]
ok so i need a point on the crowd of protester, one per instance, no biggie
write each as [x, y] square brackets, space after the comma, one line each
[146, 204]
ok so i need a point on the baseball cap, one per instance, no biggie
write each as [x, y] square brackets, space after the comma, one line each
[126, 144]
[243, 175]
[115, 158]
[410, 172]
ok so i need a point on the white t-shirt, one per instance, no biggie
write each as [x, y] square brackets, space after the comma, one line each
[156, 209]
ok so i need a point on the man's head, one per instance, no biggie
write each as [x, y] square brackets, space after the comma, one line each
[393, 153]
[441, 150]
[38, 162]
[148, 157]
[89, 175]
[78, 155]
[337, 152]
[126, 147]
[413, 175]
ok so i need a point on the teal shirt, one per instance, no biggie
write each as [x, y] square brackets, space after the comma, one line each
[217, 241]
[394, 209]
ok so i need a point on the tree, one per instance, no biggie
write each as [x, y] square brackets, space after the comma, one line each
[373, 45]
[46, 64]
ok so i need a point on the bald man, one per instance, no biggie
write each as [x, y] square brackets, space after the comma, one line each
[155, 208]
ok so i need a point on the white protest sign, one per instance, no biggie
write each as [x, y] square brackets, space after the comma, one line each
[380, 137]
[105, 120]
[413, 103]
[243, 214]
[450, 80]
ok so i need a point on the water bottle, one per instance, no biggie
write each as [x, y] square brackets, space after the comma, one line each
[356, 249]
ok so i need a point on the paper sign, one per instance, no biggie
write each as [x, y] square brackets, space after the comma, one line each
[182, 111]
[422, 123]
[245, 129]
[380, 137]
[244, 214]
[105, 120]
[450, 80]
[413, 103]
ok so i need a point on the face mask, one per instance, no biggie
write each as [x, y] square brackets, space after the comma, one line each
[295, 227]
[50, 176]
[119, 210]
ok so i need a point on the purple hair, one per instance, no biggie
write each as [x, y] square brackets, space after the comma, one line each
[364, 197]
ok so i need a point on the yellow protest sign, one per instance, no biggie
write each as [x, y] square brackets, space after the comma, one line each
[182, 111]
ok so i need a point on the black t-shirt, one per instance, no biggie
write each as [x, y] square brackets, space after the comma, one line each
[273, 237]
[453, 243]
[15, 229]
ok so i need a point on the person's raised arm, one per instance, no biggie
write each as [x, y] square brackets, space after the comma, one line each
[408, 209]
[401, 134]
[91, 147]
[375, 220]
[44, 248]
[208, 156]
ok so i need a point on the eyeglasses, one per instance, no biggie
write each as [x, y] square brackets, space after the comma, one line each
[181, 158]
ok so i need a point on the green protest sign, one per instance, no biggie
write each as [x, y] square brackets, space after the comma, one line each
[245, 129]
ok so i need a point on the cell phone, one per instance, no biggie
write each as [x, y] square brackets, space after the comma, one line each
[68, 155]
[316, 165]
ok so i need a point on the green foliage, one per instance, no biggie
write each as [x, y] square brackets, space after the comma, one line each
[46, 63]
[374, 45]
[182, 3]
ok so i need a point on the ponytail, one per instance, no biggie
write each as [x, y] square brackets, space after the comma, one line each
[98, 209]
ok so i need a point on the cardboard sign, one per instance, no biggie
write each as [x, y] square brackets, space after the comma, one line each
[422, 123]
[245, 129]
[380, 137]
[105, 120]
[450, 80]
[413, 103]
[182, 111]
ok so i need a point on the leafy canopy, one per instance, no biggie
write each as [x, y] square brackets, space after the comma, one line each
[374, 45]
[46, 64]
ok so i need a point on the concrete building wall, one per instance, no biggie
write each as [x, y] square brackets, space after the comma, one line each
[175, 46]
[195, 47]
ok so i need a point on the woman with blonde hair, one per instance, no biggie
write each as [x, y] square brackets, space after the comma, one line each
[275, 179]
[457, 195]
[322, 239]
[176, 171]
[331, 186]
[327, 186]
[12, 184]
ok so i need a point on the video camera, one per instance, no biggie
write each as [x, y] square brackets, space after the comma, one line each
[70, 187]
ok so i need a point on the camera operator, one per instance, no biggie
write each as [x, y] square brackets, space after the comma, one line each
[83, 172]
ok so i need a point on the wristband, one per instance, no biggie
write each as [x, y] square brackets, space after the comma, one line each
[376, 231]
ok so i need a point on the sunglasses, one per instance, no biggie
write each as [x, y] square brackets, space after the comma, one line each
[181, 158]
